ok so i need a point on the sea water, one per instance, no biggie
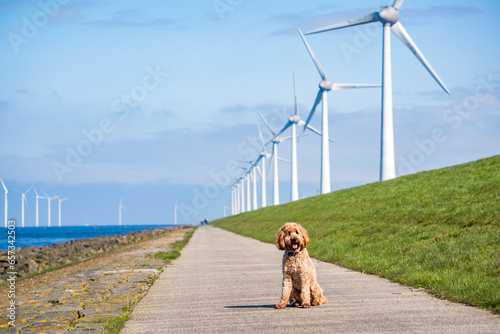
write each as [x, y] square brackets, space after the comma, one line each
[43, 236]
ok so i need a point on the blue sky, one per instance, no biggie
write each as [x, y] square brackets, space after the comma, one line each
[152, 101]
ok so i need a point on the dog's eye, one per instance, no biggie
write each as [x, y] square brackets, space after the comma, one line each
[289, 233]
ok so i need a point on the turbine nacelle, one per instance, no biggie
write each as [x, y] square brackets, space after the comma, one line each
[388, 15]
[294, 119]
[326, 85]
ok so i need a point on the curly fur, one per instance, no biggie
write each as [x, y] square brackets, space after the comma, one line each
[299, 275]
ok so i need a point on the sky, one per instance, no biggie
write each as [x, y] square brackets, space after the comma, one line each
[155, 102]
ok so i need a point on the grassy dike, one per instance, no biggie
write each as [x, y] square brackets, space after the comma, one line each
[439, 230]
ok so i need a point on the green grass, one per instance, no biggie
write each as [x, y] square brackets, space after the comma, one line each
[439, 230]
[175, 249]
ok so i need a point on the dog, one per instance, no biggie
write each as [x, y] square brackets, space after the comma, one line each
[299, 275]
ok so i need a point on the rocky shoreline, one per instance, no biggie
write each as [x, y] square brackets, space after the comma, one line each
[82, 296]
[32, 259]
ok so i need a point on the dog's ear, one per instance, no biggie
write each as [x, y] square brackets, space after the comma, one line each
[280, 239]
[303, 232]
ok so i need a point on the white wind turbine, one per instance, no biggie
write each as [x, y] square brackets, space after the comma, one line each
[6, 208]
[389, 17]
[120, 212]
[23, 201]
[324, 87]
[263, 155]
[37, 198]
[175, 213]
[60, 201]
[49, 199]
[274, 155]
[292, 122]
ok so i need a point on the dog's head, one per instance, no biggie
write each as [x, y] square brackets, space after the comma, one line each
[292, 237]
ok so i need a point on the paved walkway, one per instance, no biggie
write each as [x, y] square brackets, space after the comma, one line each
[225, 283]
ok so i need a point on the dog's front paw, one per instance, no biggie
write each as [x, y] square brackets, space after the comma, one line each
[280, 305]
[306, 305]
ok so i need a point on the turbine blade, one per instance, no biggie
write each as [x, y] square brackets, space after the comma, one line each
[270, 164]
[285, 160]
[311, 53]
[351, 86]
[319, 97]
[397, 3]
[401, 33]
[287, 125]
[4, 187]
[256, 162]
[302, 123]
[373, 17]
[261, 138]
[267, 124]
[295, 95]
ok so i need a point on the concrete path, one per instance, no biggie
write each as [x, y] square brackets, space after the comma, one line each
[225, 283]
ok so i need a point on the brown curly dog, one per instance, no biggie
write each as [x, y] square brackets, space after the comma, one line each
[299, 275]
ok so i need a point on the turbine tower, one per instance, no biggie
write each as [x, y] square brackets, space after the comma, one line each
[389, 17]
[120, 213]
[175, 213]
[23, 201]
[48, 202]
[60, 201]
[6, 208]
[37, 198]
[324, 87]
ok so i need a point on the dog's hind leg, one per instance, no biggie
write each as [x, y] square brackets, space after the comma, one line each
[317, 295]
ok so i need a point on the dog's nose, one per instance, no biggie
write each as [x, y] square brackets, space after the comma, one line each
[294, 239]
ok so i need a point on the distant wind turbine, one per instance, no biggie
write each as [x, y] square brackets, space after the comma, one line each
[6, 208]
[389, 17]
[120, 213]
[23, 201]
[49, 199]
[225, 208]
[292, 122]
[263, 155]
[60, 201]
[37, 198]
[324, 87]
[175, 213]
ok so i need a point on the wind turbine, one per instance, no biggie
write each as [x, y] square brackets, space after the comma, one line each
[120, 213]
[292, 122]
[37, 198]
[324, 87]
[6, 208]
[60, 201]
[175, 213]
[263, 155]
[48, 201]
[389, 17]
[23, 200]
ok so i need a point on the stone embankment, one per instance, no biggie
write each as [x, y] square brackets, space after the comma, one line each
[79, 297]
[35, 259]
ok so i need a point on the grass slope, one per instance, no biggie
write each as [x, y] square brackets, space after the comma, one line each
[438, 229]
